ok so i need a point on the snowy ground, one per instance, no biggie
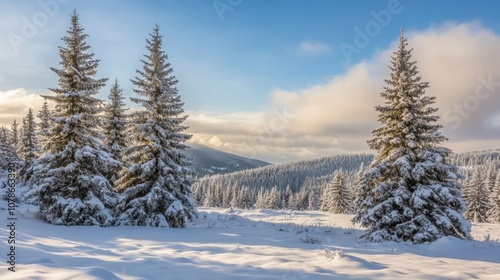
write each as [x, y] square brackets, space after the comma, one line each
[241, 244]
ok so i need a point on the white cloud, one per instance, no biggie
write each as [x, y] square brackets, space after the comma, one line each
[14, 104]
[312, 48]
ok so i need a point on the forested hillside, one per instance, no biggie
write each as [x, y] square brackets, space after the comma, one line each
[297, 175]
[301, 185]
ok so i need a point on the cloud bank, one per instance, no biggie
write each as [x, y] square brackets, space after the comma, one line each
[14, 104]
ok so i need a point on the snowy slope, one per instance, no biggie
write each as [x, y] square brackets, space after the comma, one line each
[241, 244]
[208, 161]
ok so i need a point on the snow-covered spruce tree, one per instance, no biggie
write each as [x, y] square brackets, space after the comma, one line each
[69, 179]
[494, 211]
[337, 197]
[114, 126]
[288, 198]
[157, 184]
[301, 200]
[412, 189]
[246, 198]
[7, 152]
[476, 198]
[361, 189]
[490, 178]
[44, 125]
[260, 202]
[273, 199]
[28, 149]
[14, 135]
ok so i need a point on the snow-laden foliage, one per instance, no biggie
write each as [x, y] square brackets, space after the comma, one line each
[14, 135]
[45, 123]
[69, 179]
[361, 188]
[7, 152]
[273, 199]
[412, 192]
[156, 186]
[337, 197]
[114, 126]
[494, 211]
[29, 148]
[476, 198]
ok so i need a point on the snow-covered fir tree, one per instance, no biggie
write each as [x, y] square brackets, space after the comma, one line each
[156, 186]
[260, 202]
[288, 202]
[44, 125]
[361, 188]
[494, 211]
[14, 135]
[476, 198]
[114, 126]
[273, 199]
[244, 198]
[69, 179]
[301, 200]
[490, 177]
[234, 196]
[412, 189]
[7, 152]
[28, 149]
[337, 197]
[28, 145]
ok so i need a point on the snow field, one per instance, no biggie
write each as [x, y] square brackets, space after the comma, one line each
[243, 244]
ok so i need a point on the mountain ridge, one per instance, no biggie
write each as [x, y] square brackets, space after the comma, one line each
[210, 161]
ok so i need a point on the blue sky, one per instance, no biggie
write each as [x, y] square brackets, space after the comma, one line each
[236, 59]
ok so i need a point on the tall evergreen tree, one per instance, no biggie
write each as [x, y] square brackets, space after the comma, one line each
[337, 197]
[490, 178]
[7, 152]
[494, 211]
[14, 135]
[70, 178]
[288, 198]
[28, 145]
[157, 184]
[361, 189]
[413, 193]
[260, 202]
[28, 149]
[114, 126]
[476, 198]
[246, 198]
[301, 200]
[273, 199]
[45, 117]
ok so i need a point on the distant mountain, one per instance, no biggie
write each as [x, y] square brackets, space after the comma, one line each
[208, 161]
